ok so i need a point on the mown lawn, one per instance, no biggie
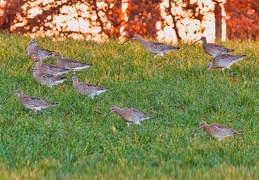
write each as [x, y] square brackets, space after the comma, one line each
[74, 141]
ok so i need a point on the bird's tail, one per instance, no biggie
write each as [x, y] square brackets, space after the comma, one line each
[146, 118]
[54, 104]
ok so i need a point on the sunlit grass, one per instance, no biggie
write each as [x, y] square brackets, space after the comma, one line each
[74, 141]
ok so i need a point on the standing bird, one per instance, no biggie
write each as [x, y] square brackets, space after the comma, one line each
[33, 103]
[49, 68]
[154, 47]
[34, 51]
[87, 89]
[224, 61]
[213, 49]
[130, 115]
[47, 79]
[70, 64]
[217, 131]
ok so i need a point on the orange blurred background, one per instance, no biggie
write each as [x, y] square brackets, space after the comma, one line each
[165, 20]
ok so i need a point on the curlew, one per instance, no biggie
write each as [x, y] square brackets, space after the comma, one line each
[217, 131]
[49, 68]
[47, 79]
[130, 115]
[70, 64]
[34, 51]
[224, 61]
[87, 89]
[213, 49]
[33, 103]
[154, 47]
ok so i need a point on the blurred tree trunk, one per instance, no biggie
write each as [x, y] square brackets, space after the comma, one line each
[218, 20]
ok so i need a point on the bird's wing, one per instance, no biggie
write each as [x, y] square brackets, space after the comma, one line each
[36, 101]
[42, 49]
[74, 63]
[218, 47]
[163, 46]
[138, 113]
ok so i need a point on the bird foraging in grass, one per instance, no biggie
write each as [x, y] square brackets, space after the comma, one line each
[224, 61]
[87, 89]
[47, 79]
[217, 131]
[154, 47]
[71, 64]
[31, 102]
[48, 68]
[130, 115]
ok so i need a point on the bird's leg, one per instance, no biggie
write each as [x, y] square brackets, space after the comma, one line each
[162, 55]
[37, 112]
[34, 112]
[223, 70]
[138, 123]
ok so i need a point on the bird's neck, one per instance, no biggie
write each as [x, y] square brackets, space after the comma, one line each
[59, 57]
[142, 41]
[20, 96]
[206, 128]
[204, 41]
[75, 82]
[38, 64]
[118, 110]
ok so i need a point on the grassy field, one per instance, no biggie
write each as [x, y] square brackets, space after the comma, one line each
[74, 141]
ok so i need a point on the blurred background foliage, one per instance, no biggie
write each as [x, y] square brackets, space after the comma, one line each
[93, 19]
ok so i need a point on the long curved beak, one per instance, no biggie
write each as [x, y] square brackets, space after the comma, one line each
[194, 133]
[195, 42]
[107, 115]
[126, 41]
[7, 97]
[30, 67]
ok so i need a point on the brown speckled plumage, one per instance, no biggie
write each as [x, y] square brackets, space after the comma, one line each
[155, 47]
[70, 64]
[47, 79]
[87, 89]
[213, 49]
[224, 61]
[49, 68]
[130, 115]
[34, 51]
[31, 102]
[217, 131]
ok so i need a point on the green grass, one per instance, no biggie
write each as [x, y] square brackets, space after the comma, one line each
[74, 141]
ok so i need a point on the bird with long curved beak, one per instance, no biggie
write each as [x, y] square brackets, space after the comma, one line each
[47, 79]
[159, 49]
[130, 115]
[31, 102]
[213, 49]
[217, 131]
[224, 61]
[87, 89]
[71, 64]
[48, 68]
[34, 51]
